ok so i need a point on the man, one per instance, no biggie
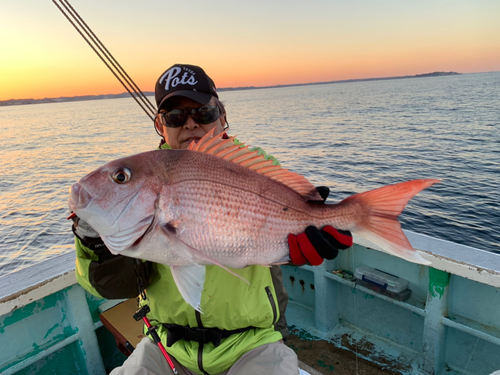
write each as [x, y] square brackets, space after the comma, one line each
[242, 328]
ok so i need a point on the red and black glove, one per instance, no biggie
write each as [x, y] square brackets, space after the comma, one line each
[313, 245]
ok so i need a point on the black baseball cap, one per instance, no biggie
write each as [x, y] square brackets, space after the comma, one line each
[189, 81]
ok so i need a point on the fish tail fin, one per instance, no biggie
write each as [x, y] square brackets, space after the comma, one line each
[377, 212]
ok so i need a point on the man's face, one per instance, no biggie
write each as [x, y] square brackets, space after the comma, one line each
[181, 137]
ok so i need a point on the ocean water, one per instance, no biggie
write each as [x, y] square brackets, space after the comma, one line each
[351, 137]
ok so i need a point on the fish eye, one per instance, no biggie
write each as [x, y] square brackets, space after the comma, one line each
[122, 175]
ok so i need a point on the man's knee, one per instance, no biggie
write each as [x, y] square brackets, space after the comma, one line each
[147, 359]
[275, 358]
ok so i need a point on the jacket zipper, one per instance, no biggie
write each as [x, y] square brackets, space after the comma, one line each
[200, 359]
[273, 304]
[200, 348]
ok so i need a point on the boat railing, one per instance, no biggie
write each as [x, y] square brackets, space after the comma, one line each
[449, 324]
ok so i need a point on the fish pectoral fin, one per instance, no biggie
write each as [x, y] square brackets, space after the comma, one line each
[172, 226]
[189, 281]
[191, 254]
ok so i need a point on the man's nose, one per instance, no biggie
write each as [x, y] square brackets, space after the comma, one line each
[190, 124]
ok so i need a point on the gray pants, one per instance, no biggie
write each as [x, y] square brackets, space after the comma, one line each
[275, 358]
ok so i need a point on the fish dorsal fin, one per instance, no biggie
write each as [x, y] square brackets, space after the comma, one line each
[242, 155]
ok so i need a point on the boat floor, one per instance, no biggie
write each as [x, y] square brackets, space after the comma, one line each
[320, 355]
[328, 359]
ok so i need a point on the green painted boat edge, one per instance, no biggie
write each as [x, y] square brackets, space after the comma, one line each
[448, 326]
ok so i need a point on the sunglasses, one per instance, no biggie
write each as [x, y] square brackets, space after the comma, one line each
[177, 117]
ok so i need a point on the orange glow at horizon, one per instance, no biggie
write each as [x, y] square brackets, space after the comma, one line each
[54, 84]
[65, 78]
[264, 45]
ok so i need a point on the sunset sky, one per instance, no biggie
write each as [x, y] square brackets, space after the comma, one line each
[251, 43]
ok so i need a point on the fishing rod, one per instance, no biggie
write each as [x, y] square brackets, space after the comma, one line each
[107, 58]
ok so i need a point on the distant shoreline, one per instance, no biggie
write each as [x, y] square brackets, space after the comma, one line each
[10, 102]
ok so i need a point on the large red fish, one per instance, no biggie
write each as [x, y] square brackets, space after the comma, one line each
[218, 203]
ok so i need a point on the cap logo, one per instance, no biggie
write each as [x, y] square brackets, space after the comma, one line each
[172, 78]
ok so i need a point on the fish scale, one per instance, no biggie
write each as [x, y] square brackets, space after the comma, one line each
[241, 227]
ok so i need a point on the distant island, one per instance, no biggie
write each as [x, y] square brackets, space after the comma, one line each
[150, 93]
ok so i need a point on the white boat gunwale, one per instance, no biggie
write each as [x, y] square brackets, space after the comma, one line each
[26, 285]
[449, 260]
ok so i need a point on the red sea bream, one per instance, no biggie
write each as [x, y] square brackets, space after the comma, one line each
[222, 204]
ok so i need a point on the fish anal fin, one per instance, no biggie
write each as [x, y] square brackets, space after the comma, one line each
[242, 155]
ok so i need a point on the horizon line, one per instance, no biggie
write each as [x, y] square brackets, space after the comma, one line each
[125, 94]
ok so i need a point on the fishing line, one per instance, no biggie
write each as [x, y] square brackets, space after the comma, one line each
[471, 354]
[106, 57]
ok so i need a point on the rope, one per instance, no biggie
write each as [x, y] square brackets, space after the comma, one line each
[106, 57]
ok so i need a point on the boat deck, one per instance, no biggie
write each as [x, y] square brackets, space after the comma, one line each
[326, 358]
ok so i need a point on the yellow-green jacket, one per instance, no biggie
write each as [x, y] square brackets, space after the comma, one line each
[227, 303]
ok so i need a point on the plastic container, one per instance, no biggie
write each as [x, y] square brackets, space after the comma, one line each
[383, 283]
[380, 278]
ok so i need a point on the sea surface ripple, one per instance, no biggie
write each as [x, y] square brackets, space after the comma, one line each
[351, 137]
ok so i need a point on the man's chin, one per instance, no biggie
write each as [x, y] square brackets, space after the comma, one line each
[185, 144]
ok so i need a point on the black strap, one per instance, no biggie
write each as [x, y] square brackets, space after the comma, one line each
[200, 335]
[93, 243]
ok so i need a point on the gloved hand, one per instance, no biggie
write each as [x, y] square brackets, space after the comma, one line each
[88, 236]
[313, 245]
